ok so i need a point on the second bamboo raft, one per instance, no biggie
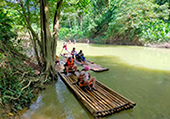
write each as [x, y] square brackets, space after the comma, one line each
[100, 102]
[94, 67]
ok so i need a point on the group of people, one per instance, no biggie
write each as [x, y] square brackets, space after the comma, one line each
[78, 56]
[84, 79]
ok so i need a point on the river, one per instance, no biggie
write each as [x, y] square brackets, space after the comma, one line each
[140, 74]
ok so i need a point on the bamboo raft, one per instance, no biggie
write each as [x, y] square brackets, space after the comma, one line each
[101, 102]
[94, 67]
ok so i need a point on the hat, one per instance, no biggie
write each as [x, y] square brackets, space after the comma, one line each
[86, 68]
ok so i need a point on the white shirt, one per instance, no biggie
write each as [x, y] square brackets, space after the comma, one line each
[85, 73]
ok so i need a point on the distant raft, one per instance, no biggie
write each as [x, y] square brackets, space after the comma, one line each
[94, 67]
[101, 102]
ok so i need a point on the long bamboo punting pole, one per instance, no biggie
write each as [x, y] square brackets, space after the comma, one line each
[113, 92]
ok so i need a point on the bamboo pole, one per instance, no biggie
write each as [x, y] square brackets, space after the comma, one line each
[106, 94]
[99, 105]
[102, 105]
[110, 102]
[119, 106]
[106, 104]
[106, 99]
[109, 97]
[114, 98]
[115, 93]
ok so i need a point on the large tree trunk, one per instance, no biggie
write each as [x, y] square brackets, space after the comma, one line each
[47, 41]
[56, 26]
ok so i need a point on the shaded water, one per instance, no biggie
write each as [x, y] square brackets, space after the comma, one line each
[138, 73]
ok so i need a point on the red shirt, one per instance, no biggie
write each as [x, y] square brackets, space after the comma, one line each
[65, 46]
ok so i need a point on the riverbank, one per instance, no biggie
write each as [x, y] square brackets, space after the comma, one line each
[159, 45]
[20, 78]
[20, 89]
[152, 45]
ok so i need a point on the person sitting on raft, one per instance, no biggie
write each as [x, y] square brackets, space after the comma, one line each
[73, 53]
[85, 79]
[70, 66]
[80, 57]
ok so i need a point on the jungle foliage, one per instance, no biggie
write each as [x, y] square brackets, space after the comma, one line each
[120, 22]
[17, 79]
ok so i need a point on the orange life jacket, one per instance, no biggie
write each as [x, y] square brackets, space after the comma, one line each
[70, 64]
[81, 85]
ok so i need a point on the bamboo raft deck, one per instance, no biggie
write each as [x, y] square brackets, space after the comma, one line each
[94, 67]
[101, 102]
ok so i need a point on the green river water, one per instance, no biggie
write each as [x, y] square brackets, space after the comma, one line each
[140, 74]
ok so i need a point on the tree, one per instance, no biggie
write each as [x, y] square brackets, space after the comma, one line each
[29, 12]
[33, 17]
[49, 42]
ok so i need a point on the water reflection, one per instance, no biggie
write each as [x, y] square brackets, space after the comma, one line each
[60, 90]
[33, 107]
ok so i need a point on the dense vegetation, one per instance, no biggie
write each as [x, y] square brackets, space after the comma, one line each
[119, 22]
[133, 22]
[18, 75]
